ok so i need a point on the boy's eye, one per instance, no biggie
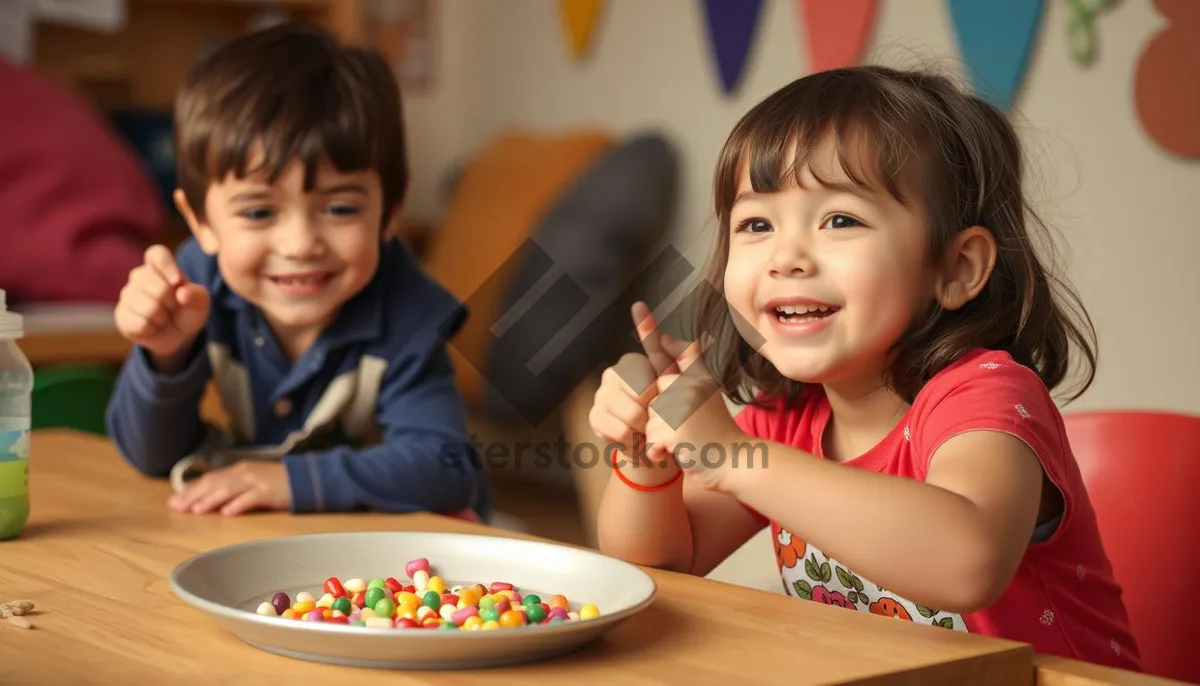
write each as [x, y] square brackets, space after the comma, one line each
[256, 214]
[754, 226]
[343, 209]
[842, 221]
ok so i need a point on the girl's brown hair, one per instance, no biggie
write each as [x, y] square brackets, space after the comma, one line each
[949, 152]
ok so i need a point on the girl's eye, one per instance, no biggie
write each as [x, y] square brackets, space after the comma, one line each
[754, 226]
[842, 221]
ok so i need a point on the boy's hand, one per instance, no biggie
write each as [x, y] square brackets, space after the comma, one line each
[236, 489]
[160, 310]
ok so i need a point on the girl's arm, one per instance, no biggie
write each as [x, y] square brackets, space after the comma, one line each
[683, 528]
[952, 542]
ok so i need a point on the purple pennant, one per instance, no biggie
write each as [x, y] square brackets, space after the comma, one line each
[731, 27]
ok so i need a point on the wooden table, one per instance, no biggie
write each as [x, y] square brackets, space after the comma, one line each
[101, 544]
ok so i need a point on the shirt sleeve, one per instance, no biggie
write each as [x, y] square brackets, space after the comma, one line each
[756, 423]
[154, 418]
[425, 460]
[992, 393]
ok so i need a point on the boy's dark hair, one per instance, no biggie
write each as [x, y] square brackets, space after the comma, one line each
[293, 90]
[931, 144]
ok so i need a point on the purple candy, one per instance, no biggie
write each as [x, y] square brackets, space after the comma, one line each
[559, 613]
[281, 602]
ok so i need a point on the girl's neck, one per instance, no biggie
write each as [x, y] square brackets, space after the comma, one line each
[862, 414]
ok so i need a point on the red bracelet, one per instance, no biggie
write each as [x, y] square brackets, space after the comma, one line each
[638, 487]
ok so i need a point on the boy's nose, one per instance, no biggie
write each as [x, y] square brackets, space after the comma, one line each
[298, 239]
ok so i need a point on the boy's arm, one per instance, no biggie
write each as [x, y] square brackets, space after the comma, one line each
[424, 462]
[154, 418]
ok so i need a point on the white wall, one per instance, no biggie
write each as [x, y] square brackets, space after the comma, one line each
[1125, 209]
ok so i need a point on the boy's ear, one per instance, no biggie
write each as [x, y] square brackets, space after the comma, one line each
[393, 221]
[205, 238]
[970, 259]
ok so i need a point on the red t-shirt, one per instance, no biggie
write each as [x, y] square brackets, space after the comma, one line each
[1063, 599]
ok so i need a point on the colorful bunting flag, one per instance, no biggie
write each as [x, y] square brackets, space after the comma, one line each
[1166, 85]
[579, 19]
[995, 40]
[731, 28]
[837, 31]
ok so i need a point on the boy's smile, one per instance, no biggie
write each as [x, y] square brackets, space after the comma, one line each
[296, 254]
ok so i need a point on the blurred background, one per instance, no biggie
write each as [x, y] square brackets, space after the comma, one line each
[578, 137]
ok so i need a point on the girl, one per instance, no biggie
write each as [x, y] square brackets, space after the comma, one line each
[875, 280]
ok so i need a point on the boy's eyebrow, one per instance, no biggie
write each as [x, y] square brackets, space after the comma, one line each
[250, 195]
[345, 188]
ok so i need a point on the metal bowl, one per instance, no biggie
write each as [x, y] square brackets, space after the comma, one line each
[229, 583]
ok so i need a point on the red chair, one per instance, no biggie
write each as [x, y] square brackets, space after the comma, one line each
[1142, 471]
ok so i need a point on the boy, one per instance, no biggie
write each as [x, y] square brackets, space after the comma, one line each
[315, 326]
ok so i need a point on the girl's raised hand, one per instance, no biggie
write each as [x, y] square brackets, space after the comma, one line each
[689, 419]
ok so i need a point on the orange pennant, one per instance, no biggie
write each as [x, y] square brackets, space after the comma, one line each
[580, 17]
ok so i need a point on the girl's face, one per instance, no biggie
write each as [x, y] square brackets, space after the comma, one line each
[827, 276]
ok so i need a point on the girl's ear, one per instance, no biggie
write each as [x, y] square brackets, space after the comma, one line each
[968, 265]
[200, 229]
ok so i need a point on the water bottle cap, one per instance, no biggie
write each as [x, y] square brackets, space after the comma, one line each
[12, 325]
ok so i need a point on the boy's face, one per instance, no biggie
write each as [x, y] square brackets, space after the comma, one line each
[297, 256]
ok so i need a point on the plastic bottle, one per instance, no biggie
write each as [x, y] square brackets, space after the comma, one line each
[16, 389]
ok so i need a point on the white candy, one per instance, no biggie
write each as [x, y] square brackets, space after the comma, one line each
[379, 623]
[326, 600]
[420, 580]
[425, 612]
[353, 586]
[572, 616]
[303, 596]
[266, 609]
[456, 590]
[446, 612]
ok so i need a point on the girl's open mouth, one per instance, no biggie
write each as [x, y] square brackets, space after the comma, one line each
[801, 314]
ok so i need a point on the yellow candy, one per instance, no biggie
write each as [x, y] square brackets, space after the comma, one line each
[304, 606]
[405, 597]
[325, 601]
[472, 623]
[407, 606]
[436, 584]
[505, 593]
[353, 586]
[290, 614]
[412, 614]
[367, 613]
[490, 625]
[326, 613]
[468, 597]
[589, 611]
[338, 613]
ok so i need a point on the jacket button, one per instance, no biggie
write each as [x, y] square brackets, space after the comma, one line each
[283, 407]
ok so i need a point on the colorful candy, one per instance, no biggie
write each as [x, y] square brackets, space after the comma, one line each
[426, 603]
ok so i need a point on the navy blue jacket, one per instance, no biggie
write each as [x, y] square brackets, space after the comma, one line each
[369, 418]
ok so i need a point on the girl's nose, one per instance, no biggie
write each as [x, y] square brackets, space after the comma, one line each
[791, 258]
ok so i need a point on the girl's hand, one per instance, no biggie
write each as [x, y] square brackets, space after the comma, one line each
[689, 419]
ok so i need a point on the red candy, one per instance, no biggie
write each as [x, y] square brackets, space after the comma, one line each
[406, 623]
[359, 599]
[393, 585]
[500, 586]
[334, 587]
[449, 599]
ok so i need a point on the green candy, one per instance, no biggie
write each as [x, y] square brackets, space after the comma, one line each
[535, 613]
[486, 603]
[489, 615]
[531, 600]
[431, 600]
[374, 595]
[449, 626]
[385, 608]
[342, 605]
[376, 583]
[556, 620]
[358, 622]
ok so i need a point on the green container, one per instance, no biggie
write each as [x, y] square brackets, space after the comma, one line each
[72, 397]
